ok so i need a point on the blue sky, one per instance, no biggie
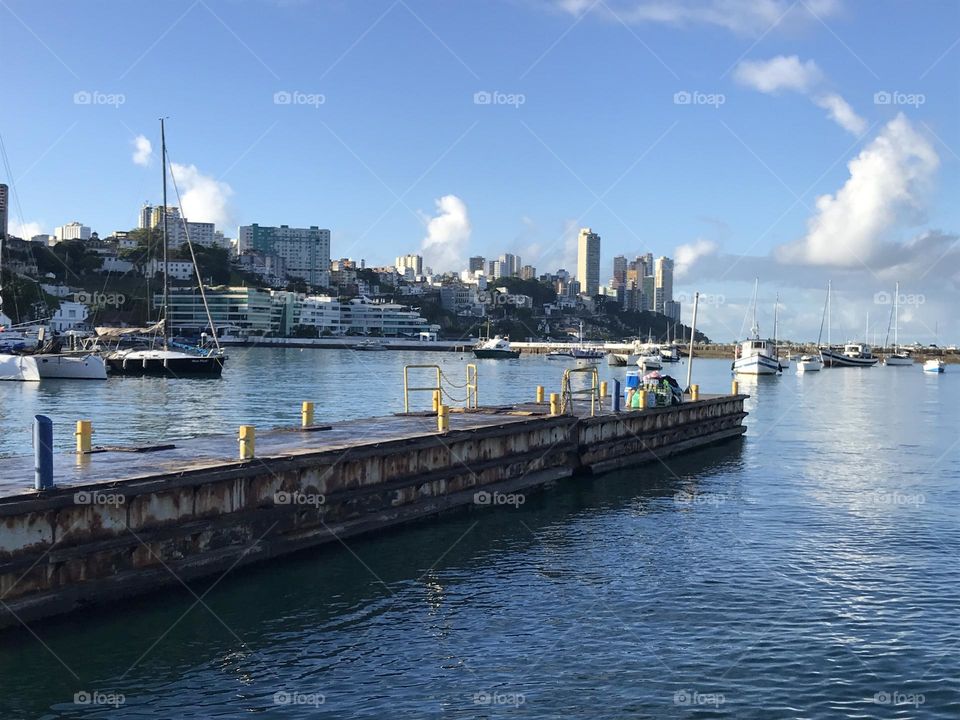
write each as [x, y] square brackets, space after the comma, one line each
[588, 131]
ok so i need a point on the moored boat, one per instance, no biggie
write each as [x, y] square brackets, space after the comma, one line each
[809, 363]
[934, 365]
[852, 355]
[496, 348]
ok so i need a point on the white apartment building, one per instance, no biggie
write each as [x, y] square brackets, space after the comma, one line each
[306, 251]
[176, 269]
[588, 261]
[72, 231]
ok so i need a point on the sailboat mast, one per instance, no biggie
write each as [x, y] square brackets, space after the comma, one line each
[166, 265]
[896, 320]
[829, 310]
[776, 313]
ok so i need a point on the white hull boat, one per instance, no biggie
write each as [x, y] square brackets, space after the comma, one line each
[933, 366]
[809, 363]
[898, 359]
[756, 364]
[22, 368]
[71, 367]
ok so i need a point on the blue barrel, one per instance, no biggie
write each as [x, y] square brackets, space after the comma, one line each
[633, 380]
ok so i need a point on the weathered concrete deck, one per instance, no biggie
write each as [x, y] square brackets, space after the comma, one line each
[115, 464]
[144, 521]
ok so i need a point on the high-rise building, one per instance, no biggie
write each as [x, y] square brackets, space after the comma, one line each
[306, 251]
[620, 269]
[144, 221]
[495, 269]
[528, 272]
[588, 261]
[72, 231]
[4, 209]
[509, 265]
[663, 284]
[477, 263]
[413, 263]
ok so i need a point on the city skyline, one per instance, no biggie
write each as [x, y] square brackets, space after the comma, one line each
[735, 140]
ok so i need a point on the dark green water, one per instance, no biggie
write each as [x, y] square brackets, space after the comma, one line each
[809, 570]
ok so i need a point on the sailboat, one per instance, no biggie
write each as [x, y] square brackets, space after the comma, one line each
[756, 356]
[27, 355]
[170, 359]
[899, 357]
[852, 354]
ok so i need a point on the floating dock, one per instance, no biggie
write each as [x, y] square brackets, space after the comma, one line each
[122, 521]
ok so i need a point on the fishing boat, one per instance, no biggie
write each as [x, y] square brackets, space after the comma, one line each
[756, 356]
[649, 358]
[162, 356]
[934, 365]
[851, 354]
[899, 356]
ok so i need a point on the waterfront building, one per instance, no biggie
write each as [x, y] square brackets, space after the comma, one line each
[588, 261]
[237, 310]
[306, 251]
[72, 231]
[4, 209]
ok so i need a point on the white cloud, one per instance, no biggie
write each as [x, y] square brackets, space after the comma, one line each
[24, 231]
[789, 73]
[448, 234]
[739, 16]
[841, 113]
[778, 73]
[202, 198]
[142, 150]
[686, 256]
[885, 190]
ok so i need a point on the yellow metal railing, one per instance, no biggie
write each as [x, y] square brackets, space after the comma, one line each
[472, 387]
[407, 389]
[567, 393]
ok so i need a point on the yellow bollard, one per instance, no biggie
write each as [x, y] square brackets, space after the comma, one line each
[443, 418]
[734, 388]
[84, 435]
[248, 438]
[436, 401]
[603, 389]
[554, 404]
[694, 392]
[539, 393]
[306, 414]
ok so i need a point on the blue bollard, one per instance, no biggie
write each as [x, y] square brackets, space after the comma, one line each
[617, 395]
[42, 452]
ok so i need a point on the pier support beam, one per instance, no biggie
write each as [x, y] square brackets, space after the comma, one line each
[42, 452]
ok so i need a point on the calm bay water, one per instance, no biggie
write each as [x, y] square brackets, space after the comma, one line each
[807, 571]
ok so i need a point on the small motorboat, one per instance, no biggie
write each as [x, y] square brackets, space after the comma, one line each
[370, 346]
[809, 363]
[934, 365]
[559, 355]
[496, 348]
